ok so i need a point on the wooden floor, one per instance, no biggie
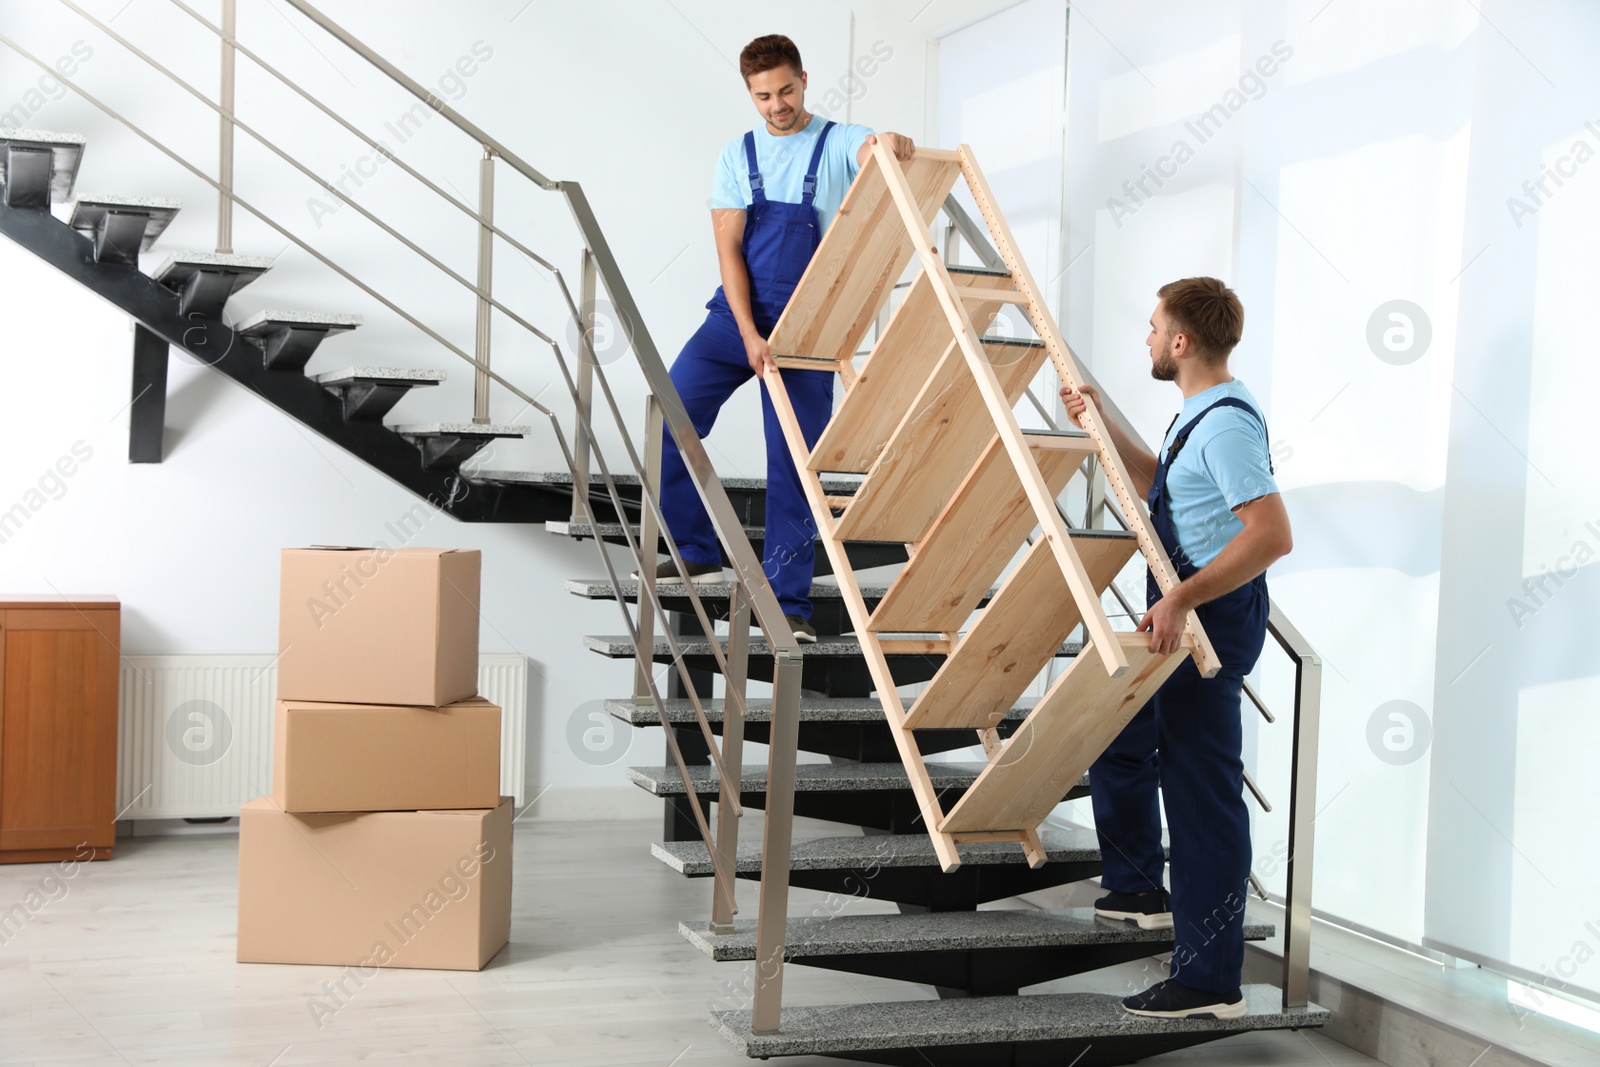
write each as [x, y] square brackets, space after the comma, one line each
[131, 961]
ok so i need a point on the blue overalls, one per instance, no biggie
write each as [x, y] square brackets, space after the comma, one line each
[779, 240]
[1187, 739]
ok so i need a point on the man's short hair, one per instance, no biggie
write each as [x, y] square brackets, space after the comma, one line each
[766, 53]
[1208, 311]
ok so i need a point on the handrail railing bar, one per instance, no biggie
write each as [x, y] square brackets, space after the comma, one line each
[368, 141]
[1261, 705]
[677, 653]
[724, 903]
[660, 704]
[1255, 791]
[351, 42]
[484, 320]
[454, 276]
[225, 134]
[648, 498]
[712, 493]
[634, 547]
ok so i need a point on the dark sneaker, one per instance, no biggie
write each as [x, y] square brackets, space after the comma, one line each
[1174, 1000]
[804, 632]
[1149, 911]
[699, 573]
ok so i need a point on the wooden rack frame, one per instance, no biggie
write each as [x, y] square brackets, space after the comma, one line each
[949, 472]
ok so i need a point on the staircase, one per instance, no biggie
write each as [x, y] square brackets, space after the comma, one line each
[977, 962]
[827, 702]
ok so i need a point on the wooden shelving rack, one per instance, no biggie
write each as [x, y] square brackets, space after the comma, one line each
[949, 473]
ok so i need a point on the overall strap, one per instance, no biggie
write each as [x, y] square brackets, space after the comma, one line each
[810, 188]
[758, 195]
[1226, 402]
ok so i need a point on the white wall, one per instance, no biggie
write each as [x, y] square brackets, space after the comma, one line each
[632, 100]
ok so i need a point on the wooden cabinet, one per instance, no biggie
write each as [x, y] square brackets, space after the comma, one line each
[58, 727]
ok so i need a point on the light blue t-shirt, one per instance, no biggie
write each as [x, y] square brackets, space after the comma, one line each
[1225, 463]
[783, 163]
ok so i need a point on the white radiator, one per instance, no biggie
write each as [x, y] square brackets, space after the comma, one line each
[195, 732]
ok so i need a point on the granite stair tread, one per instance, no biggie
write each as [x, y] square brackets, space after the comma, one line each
[620, 646]
[833, 486]
[270, 317]
[1044, 1017]
[855, 853]
[461, 429]
[812, 709]
[665, 781]
[600, 589]
[610, 530]
[943, 931]
[353, 375]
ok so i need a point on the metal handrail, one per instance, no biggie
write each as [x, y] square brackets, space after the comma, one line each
[783, 742]
[752, 593]
[1308, 685]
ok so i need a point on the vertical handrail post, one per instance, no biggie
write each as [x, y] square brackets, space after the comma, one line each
[724, 904]
[649, 535]
[586, 365]
[1302, 827]
[1094, 506]
[225, 133]
[777, 839]
[480, 385]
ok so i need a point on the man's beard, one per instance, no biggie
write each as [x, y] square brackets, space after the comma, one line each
[1163, 368]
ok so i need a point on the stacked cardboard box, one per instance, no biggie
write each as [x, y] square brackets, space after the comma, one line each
[385, 841]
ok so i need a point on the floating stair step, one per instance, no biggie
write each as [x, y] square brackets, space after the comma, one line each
[747, 495]
[39, 166]
[861, 553]
[833, 666]
[834, 486]
[1080, 1029]
[850, 728]
[904, 869]
[828, 612]
[817, 778]
[122, 226]
[449, 444]
[205, 280]
[876, 795]
[290, 337]
[709, 592]
[368, 393]
[600, 589]
[621, 646]
[974, 953]
[812, 709]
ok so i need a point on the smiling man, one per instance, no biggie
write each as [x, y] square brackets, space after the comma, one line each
[1217, 510]
[776, 189]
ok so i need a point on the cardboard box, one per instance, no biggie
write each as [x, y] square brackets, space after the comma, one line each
[378, 625]
[385, 757]
[381, 889]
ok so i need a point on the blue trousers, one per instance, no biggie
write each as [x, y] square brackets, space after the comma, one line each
[1188, 740]
[710, 367]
